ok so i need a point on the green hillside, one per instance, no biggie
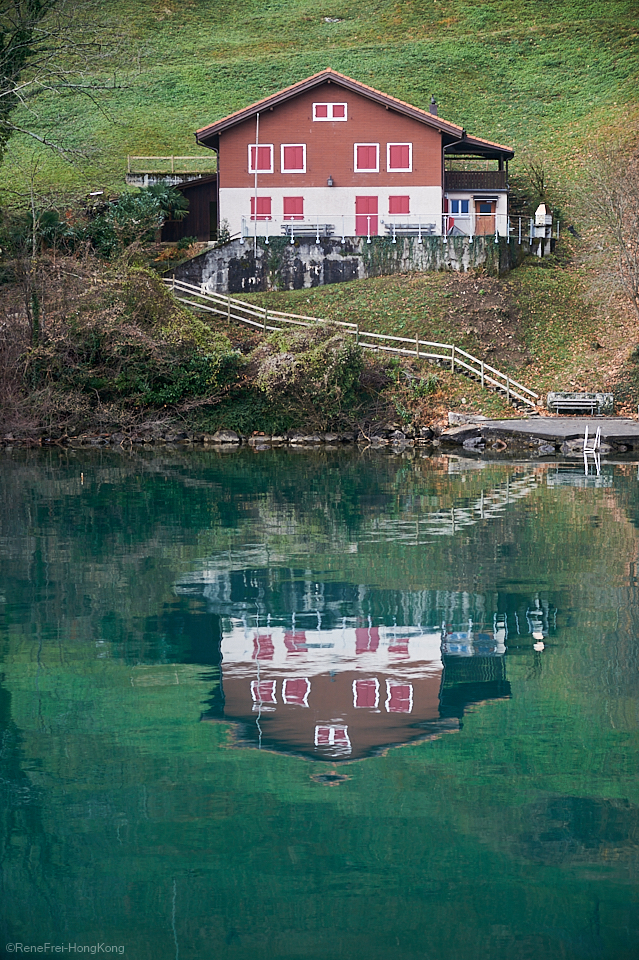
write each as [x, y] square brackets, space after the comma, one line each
[542, 75]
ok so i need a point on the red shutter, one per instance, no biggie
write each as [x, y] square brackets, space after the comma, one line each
[294, 158]
[263, 208]
[366, 157]
[366, 693]
[293, 208]
[399, 204]
[296, 642]
[321, 110]
[338, 110]
[263, 159]
[400, 697]
[296, 690]
[399, 156]
[366, 216]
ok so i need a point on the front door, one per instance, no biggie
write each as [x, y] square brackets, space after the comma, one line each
[484, 217]
[366, 216]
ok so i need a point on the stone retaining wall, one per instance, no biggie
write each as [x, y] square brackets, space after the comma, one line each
[282, 265]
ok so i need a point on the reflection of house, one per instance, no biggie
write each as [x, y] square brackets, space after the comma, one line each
[343, 693]
[332, 149]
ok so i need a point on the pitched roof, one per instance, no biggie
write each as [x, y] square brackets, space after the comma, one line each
[450, 130]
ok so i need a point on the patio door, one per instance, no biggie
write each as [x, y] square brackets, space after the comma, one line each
[485, 217]
[366, 216]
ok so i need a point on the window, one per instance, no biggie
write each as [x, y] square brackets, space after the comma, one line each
[399, 156]
[293, 208]
[485, 208]
[459, 206]
[366, 639]
[263, 154]
[366, 693]
[333, 739]
[329, 111]
[399, 204]
[263, 208]
[293, 158]
[366, 158]
[296, 690]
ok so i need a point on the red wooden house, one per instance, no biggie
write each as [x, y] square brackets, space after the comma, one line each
[333, 157]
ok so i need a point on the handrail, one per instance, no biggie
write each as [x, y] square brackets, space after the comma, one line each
[232, 309]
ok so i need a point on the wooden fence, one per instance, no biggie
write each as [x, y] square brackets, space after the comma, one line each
[267, 320]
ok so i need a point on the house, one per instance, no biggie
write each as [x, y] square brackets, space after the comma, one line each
[332, 157]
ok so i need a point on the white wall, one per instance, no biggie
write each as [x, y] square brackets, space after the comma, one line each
[329, 205]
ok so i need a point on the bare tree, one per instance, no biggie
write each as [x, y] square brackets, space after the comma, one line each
[611, 197]
[56, 46]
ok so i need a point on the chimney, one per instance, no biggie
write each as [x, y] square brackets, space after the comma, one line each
[433, 105]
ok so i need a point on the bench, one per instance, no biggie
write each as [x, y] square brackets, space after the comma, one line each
[592, 403]
[308, 229]
[410, 229]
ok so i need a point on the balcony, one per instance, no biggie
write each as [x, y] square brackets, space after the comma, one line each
[475, 180]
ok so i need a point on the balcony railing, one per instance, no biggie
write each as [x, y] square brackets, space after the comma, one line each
[392, 226]
[475, 180]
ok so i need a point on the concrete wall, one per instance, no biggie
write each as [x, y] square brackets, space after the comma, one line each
[281, 265]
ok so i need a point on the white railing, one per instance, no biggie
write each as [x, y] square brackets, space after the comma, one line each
[394, 226]
[267, 320]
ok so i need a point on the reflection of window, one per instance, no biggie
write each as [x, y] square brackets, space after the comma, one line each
[459, 206]
[366, 157]
[263, 648]
[399, 156]
[264, 155]
[329, 111]
[296, 690]
[333, 739]
[485, 208]
[293, 158]
[399, 204]
[366, 640]
[399, 649]
[293, 208]
[263, 208]
[296, 642]
[263, 691]
[399, 697]
[366, 693]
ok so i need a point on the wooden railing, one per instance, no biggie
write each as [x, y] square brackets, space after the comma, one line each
[267, 320]
[475, 180]
[201, 164]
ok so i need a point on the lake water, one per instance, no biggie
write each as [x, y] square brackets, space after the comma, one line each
[331, 704]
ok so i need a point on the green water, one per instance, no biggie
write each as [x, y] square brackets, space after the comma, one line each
[335, 704]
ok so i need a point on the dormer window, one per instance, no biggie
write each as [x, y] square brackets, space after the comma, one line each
[329, 111]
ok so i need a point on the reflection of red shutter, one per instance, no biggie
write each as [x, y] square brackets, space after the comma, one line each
[399, 648]
[263, 208]
[293, 208]
[294, 158]
[366, 640]
[263, 648]
[295, 642]
[263, 691]
[366, 693]
[296, 690]
[399, 156]
[399, 204]
[399, 697]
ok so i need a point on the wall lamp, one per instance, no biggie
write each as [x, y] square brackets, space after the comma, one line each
[329, 182]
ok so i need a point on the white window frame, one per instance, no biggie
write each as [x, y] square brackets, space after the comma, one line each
[330, 118]
[409, 168]
[365, 169]
[284, 169]
[459, 200]
[255, 691]
[389, 692]
[251, 168]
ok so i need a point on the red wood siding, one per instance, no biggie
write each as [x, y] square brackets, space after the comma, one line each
[330, 144]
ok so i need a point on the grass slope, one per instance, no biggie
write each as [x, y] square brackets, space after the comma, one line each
[544, 76]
